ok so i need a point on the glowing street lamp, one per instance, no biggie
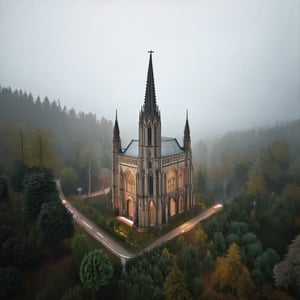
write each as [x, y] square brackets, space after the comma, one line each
[79, 190]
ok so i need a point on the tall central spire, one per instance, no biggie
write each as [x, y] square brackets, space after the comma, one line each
[150, 99]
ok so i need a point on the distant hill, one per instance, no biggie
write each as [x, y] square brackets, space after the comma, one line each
[67, 127]
[247, 142]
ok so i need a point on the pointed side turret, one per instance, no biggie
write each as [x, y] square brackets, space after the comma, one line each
[115, 165]
[116, 138]
[187, 137]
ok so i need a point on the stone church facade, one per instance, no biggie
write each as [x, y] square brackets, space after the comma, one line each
[153, 176]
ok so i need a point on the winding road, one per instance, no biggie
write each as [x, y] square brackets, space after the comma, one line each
[97, 233]
[110, 244]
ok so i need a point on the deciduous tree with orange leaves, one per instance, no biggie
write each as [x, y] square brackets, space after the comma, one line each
[231, 273]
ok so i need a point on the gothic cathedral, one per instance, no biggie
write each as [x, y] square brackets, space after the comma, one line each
[153, 176]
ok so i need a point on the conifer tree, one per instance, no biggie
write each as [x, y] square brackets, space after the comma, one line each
[54, 224]
[39, 187]
[41, 153]
[175, 287]
[95, 270]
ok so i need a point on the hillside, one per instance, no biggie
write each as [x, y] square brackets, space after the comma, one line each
[69, 132]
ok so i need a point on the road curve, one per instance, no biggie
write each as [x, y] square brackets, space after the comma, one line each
[97, 233]
[93, 230]
[110, 244]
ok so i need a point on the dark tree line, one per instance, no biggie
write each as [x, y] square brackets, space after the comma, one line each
[18, 107]
[67, 126]
[78, 140]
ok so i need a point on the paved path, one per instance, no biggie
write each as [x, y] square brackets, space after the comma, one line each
[109, 243]
[184, 227]
[98, 234]
[92, 229]
[98, 193]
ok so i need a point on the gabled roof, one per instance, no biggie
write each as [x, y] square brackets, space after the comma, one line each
[132, 149]
[169, 146]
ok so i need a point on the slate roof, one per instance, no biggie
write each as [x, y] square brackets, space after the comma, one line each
[169, 146]
[132, 149]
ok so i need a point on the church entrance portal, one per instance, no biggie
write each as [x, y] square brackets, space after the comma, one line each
[152, 213]
[130, 208]
[172, 207]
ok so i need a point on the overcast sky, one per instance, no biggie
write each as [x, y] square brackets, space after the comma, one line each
[233, 64]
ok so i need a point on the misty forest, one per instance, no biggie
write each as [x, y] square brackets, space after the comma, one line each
[248, 250]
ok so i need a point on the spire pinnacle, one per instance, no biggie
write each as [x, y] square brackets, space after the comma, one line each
[150, 99]
[187, 127]
[116, 127]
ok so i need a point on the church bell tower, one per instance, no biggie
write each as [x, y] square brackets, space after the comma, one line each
[149, 154]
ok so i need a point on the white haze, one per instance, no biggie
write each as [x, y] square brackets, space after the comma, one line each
[233, 64]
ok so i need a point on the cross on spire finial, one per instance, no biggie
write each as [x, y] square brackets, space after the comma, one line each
[150, 51]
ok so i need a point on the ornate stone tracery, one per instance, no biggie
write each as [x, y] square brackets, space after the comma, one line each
[171, 180]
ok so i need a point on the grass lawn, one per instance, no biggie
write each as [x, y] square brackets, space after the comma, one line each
[98, 209]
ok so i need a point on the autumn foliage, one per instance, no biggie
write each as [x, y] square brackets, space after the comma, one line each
[232, 274]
